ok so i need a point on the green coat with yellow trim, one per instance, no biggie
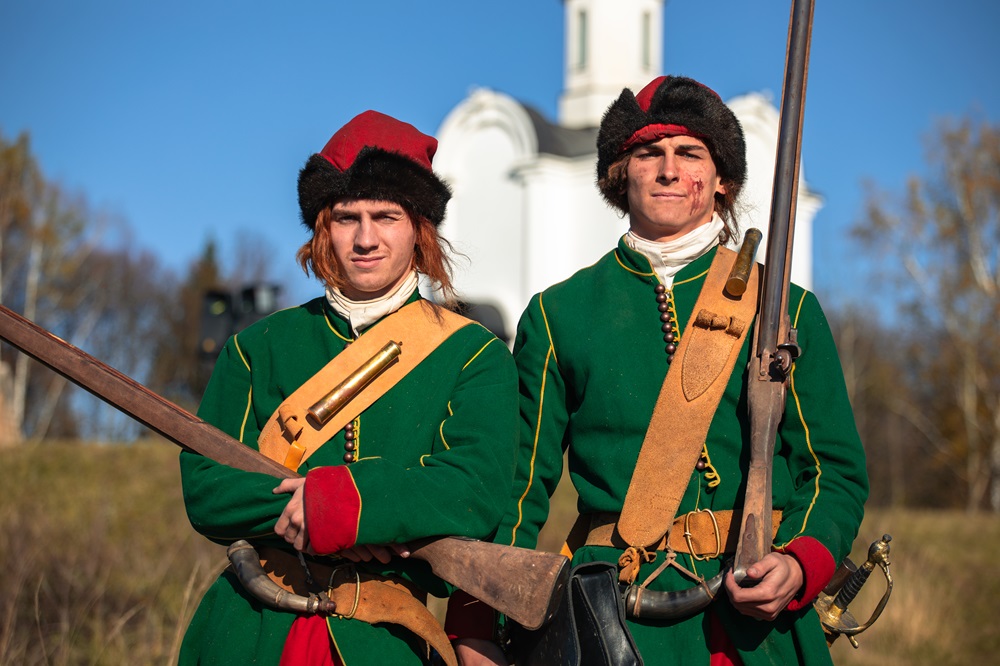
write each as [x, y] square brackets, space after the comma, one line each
[591, 357]
[435, 457]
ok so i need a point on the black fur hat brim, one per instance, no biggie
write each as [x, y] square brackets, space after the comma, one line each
[375, 174]
[677, 101]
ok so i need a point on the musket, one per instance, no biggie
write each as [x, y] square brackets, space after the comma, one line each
[775, 348]
[523, 584]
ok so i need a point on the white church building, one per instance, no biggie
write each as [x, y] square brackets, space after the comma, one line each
[526, 210]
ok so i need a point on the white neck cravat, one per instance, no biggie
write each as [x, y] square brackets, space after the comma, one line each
[668, 258]
[362, 314]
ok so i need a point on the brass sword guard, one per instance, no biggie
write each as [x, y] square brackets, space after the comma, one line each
[832, 603]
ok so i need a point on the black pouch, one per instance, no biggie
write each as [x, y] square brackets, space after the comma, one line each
[588, 628]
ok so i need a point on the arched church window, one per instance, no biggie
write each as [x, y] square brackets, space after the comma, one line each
[647, 60]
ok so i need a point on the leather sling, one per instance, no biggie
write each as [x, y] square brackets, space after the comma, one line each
[289, 438]
[360, 596]
[688, 399]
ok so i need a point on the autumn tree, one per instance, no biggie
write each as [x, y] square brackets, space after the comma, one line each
[939, 249]
[178, 371]
[57, 270]
[909, 463]
[33, 222]
[19, 180]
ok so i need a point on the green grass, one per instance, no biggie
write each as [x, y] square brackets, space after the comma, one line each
[100, 565]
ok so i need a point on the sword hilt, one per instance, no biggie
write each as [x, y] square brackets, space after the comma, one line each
[878, 555]
[832, 607]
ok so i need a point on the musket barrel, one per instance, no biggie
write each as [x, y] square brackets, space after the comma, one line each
[781, 227]
[131, 398]
[320, 413]
[773, 335]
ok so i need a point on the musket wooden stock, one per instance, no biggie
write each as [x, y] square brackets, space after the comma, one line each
[773, 337]
[523, 584]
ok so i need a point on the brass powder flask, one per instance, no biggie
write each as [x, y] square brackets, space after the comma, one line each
[324, 410]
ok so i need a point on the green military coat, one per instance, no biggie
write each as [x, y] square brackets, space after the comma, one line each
[591, 357]
[435, 456]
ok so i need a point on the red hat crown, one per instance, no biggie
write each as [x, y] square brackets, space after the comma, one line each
[374, 156]
[377, 130]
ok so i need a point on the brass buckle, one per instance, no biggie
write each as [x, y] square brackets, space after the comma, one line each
[690, 544]
[349, 566]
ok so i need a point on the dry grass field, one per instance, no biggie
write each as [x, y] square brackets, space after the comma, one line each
[101, 567]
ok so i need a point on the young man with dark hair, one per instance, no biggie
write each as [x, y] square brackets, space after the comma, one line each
[623, 342]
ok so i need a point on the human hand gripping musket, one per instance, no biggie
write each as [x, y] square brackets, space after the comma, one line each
[521, 583]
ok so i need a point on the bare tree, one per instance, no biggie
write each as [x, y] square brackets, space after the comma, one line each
[54, 272]
[57, 269]
[943, 244]
[178, 371]
[20, 188]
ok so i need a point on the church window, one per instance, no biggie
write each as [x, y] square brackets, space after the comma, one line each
[646, 41]
[581, 44]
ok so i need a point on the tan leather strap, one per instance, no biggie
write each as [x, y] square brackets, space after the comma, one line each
[289, 438]
[704, 534]
[687, 402]
[361, 596]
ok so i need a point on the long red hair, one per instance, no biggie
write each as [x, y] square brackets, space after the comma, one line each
[430, 256]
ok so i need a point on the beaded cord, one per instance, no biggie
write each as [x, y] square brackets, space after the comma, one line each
[705, 463]
[671, 336]
[668, 315]
[351, 441]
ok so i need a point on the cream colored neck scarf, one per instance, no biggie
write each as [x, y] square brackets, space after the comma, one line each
[362, 314]
[668, 258]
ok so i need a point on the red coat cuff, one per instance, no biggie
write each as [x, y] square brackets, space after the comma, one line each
[333, 507]
[817, 565]
[468, 617]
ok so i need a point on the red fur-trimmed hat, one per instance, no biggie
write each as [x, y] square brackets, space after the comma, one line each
[374, 156]
[671, 106]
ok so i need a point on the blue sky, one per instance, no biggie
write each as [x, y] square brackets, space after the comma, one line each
[190, 120]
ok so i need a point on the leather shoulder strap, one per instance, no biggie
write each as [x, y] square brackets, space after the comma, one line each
[289, 438]
[687, 403]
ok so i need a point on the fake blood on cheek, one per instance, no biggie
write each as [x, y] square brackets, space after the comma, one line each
[698, 190]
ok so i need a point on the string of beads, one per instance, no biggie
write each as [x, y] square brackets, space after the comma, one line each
[671, 336]
[350, 445]
[668, 315]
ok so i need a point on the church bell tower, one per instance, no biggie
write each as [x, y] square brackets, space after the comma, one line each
[610, 45]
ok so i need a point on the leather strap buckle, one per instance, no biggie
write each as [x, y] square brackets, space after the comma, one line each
[687, 535]
[350, 569]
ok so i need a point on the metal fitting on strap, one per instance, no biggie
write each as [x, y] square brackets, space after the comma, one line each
[687, 535]
[350, 568]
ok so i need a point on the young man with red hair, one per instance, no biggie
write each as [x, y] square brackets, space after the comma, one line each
[432, 455]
